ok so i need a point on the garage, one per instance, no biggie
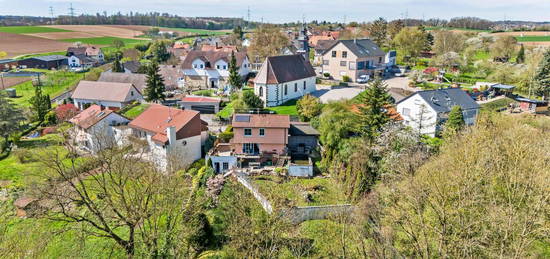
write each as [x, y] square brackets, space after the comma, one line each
[204, 109]
[204, 105]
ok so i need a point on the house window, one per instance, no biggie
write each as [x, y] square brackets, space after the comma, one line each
[360, 65]
[334, 54]
[295, 87]
[261, 91]
[224, 67]
[352, 65]
[195, 66]
[343, 63]
[325, 62]
[304, 85]
[202, 66]
[286, 89]
[379, 59]
[248, 132]
[131, 93]
[250, 148]
[217, 66]
[225, 166]
[262, 132]
[406, 112]
[344, 54]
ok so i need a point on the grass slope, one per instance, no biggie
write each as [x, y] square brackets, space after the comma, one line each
[55, 83]
[103, 40]
[288, 108]
[29, 29]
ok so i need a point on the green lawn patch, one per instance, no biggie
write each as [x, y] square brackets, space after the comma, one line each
[136, 111]
[29, 29]
[300, 191]
[287, 108]
[209, 92]
[227, 111]
[104, 40]
[54, 83]
[533, 38]
[482, 55]
[496, 105]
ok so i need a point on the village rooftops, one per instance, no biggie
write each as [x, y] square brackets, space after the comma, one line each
[281, 69]
[103, 91]
[91, 116]
[211, 57]
[260, 121]
[138, 80]
[157, 118]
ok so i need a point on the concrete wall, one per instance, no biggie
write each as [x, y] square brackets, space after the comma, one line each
[300, 170]
[259, 197]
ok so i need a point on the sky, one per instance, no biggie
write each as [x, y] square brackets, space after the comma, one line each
[293, 10]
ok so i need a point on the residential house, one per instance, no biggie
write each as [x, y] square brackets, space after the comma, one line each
[181, 45]
[284, 78]
[96, 128]
[320, 48]
[173, 136]
[81, 61]
[173, 76]
[210, 69]
[111, 95]
[7, 64]
[314, 40]
[45, 62]
[303, 138]
[89, 51]
[226, 48]
[353, 58]
[204, 105]
[391, 58]
[427, 111]
[138, 80]
[131, 66]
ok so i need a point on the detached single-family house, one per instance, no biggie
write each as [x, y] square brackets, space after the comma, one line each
[131, 66]
[82, 61]
[45, 62]
[114, 96]
[427, 111]
[353, 58]
[138, 80]
[96, 128]
[173, 76]
[210, 69]
[173, 136]
[284, 78]
[320, 48]
[89, 51]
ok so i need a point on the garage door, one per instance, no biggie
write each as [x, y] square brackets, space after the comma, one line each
[205, 109]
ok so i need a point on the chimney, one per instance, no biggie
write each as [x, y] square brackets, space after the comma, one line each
[171, 133]
[354, 40]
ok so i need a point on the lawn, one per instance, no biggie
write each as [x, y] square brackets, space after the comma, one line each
[533, 38]
[227, 111]
[136, 111]
[199, 31]
[54, 83]
[208, 92]
[496, 105]
[29, 29]
[104, 40]
[293, 192]
[288, 108]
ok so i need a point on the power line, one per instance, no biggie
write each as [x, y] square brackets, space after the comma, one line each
[71, 12]
[51, 15]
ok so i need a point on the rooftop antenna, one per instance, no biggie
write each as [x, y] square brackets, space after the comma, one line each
[51, 15]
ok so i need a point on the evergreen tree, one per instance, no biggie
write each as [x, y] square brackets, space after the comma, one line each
[40, 103]
[238, 31]
[542, 77]
[158, 52]
[521, 55]
[154, 92]
[456, 119]
[251, 100]
[10, 118]
[117, 65]
[234, 77]
[373, 104]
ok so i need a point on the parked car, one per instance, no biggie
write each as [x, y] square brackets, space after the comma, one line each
[363, 79]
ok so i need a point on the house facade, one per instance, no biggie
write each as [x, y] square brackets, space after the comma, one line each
[81, 61]
[173, 136]
[114, 96]
[283, 78]
[97, 128]
[353, 58]
[427, 111]
[210, 69]
[89, 51]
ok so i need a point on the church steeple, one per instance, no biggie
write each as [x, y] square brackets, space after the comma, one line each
[304, 42]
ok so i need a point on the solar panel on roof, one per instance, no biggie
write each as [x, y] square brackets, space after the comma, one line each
[242, 118]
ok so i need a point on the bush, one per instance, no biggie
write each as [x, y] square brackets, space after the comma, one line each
[346, 79]
[24, 156]
[252, 101]
[327, 75]
[50, 118]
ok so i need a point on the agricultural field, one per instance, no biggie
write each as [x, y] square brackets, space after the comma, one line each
[29, 29]
[197, 31]
[20, 44]
[103, 40]
[455, 29]
[121, 31]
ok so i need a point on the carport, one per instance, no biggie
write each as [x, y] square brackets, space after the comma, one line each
[204, 105]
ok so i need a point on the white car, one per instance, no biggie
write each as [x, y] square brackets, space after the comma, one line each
[363, 79]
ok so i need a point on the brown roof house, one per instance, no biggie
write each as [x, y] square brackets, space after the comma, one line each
[111, 95]
[173, 136]
[283, 78]
[210, 69]
[97, 128]
[172, 75]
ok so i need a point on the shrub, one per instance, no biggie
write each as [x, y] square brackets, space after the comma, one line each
[346, 79]
[24, 156]
[327, 75]
[50, 118]
[65, 112]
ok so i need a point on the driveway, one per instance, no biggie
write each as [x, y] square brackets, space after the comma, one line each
[327, 94]
[400, 83]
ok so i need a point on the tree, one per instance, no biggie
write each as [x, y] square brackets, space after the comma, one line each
[379, 31]
[503, 48]
[3, 54]
[238, 31]
[410, 41]
[448, 41]
[154, 92]
[448, 60]
[429, 38]
[118, 44]
[394, 27]
[251, 100]
[117, 64]
[234, 77]
[40, 103]
[373, 103]
[455, 122]
[10, 118]
[158, 51]
[521, 55]
[268, 41]
[542, 77]
[308, 107]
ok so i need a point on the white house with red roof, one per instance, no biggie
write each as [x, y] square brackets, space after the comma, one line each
[173, 136]
[97, 128]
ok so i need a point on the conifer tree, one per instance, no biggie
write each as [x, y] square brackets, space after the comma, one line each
[542, 77]
[373, 104]
[234, 77]
[456, 119]
[117, 65]
[40, 103]
[154, 92]
[521, 55]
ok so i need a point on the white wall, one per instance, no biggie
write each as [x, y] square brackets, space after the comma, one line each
[174, 155]
[230, 160]
[197, 63]
[102, 134]
[415, 105]
[274, 94]
[74, 61]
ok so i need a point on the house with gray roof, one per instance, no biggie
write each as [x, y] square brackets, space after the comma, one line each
[353, 58]
[45, 62]
[427, 111]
